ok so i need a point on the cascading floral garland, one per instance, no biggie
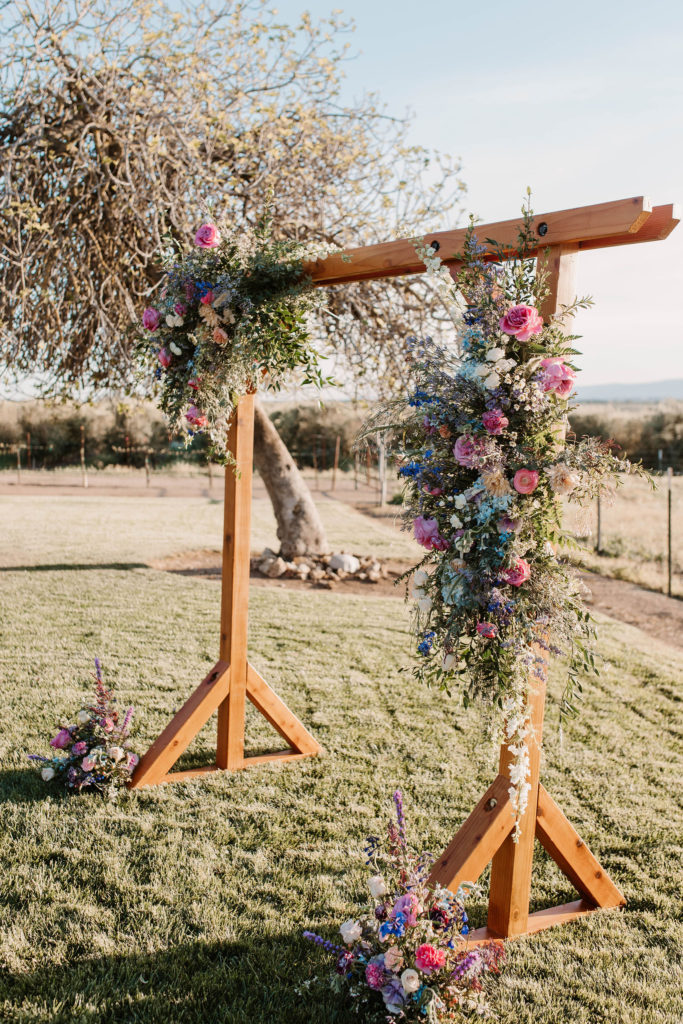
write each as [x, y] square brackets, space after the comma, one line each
[486, 464]
[234, 313]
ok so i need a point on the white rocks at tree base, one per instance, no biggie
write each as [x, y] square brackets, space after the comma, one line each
[276, 567]
[348, 563]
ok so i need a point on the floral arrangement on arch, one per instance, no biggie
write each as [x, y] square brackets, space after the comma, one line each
[483, 453]
[405, 957]
[93, 752]
[234, 313]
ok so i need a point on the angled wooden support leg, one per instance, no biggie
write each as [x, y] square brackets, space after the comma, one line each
[478, 838]
[564, 844]
[181, 730]
[280, 717]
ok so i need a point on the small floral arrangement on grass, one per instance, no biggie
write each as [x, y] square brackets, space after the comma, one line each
[234, 313]
[486, 463]
[405, 957]
[93, 752]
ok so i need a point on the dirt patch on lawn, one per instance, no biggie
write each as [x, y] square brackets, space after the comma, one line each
[657, 615]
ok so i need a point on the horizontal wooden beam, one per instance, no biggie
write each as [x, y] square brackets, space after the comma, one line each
[656, 228]
[605, 224]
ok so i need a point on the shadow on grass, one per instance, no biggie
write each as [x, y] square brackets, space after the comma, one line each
[62, 566]
[25, 786]
[250, 982]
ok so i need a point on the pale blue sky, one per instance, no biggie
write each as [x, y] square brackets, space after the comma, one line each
[583, 101]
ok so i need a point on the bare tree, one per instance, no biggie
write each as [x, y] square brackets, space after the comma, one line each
[124, 122]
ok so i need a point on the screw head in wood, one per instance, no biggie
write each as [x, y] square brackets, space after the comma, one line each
[542, 229]
[490, 804]
[435, 245]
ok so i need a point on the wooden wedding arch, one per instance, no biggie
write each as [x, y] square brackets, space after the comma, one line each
[486, 834]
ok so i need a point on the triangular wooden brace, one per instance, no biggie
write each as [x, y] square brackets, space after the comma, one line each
[212, 692]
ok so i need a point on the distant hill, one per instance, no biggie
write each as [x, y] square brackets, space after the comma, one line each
[653, 391]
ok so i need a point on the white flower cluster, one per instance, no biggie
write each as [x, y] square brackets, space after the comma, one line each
[517, 730]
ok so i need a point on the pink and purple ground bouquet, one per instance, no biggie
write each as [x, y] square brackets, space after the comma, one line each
[93, 752]
[405, 957]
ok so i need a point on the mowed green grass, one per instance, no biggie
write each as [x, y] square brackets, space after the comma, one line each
[185, 904]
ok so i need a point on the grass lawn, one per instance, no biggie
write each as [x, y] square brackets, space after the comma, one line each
[185, 904]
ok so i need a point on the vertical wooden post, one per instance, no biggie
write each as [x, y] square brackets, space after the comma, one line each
[512, 864]
[235, 585]
[669, 484]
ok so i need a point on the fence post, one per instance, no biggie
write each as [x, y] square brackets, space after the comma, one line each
[147, 468]
[598, 539]
[337, 446]
[28, 449]
[84, 472]
[18, 464]
[669, 485]
[382, 469]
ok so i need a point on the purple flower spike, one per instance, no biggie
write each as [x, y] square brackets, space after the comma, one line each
[400, 817]
[98, 669]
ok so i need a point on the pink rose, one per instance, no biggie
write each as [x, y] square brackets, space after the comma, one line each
[428, 959]
[61, 740]
[207, 237]
[107, 724]
[519, 573]
[219, 336]
[165, 358]
[494, 421]
[151, 318]
[467, 451]
[525, 481]
[408, 906]
[557, 377]
[180, 309]
[79, 748]
[88, 763]
[427, 534]
[487, 630]
[196, 418]
[521, 322]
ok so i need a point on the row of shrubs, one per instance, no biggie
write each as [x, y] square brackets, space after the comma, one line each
[126, 433]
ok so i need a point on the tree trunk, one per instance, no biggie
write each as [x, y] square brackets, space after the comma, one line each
[299, 527]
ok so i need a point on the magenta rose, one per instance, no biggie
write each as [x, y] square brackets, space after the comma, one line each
[79, 748]
[180, 309]
[151, 318]
[61, 740]
[207, 237]
[427, 534]
[428, 959]
[164, 357]
[207, 299]
[487, 630]
[519, 574]
[557, 377]
[521, 322]
[196, 418]
[375, 975]
[525, 481]
[495, 421]
[466, 451]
